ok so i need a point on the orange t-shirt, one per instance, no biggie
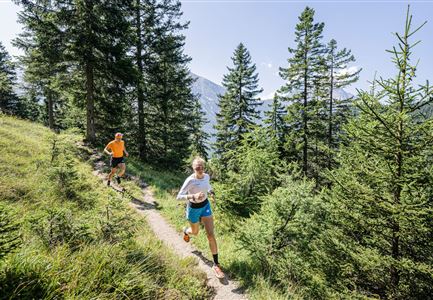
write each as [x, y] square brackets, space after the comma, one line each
[116, 147]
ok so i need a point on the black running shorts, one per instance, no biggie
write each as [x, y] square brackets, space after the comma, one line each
[115, 161]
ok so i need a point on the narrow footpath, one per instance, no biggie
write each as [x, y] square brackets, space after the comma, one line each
[225, 289]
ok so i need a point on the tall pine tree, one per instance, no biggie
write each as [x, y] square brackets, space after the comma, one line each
[9, 102]
[43, 44]
[305, 66]
[199, 138]
[142, 13]
[382, 199]
[337, 76]
[238, 106]
[98, 38]
[171, 101]
[160, 99]
[275, 122]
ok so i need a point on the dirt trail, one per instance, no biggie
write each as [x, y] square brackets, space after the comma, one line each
[225, 289]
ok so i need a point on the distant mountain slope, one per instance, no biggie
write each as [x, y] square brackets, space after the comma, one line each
[208, 92]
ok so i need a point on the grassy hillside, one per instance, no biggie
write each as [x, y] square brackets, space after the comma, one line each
[78, 239]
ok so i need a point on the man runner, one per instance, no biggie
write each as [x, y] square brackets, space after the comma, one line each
[117, 148]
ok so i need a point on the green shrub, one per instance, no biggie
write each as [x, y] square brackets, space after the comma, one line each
[116, 223]
[254, 171]
[56, 226]
[283, 237]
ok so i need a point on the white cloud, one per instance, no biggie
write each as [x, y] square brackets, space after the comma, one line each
[268, 65]
[349, 70]
[267, 96]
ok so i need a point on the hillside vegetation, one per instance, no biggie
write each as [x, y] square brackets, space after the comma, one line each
[66, 236]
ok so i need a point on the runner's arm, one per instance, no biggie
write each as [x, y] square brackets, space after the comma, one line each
[210, 191]
[183, 193]
[126, 152]
[212, 196]
[106, 150]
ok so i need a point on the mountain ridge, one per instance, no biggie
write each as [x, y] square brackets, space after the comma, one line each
[208, 92]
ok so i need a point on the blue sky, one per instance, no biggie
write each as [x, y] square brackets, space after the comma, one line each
[267, 30]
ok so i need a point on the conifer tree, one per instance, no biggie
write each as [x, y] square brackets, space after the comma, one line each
[381, 201]
[337, 76]
[30, 106]
[9, 235]
[275, 122]
[9, 101]
[238, 106]
[256, 173]
[199, 138]
[43, 44]
[144, 22]
[171, 101]
[304, 67]
[98, 37]
[159, 50]
[317, 131]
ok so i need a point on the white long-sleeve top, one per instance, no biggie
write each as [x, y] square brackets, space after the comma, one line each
[193, 185]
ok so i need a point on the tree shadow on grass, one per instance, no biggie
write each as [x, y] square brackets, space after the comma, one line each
[25, 284]
[226, 279]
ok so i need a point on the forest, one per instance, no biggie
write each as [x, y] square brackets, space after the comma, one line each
[323, 197]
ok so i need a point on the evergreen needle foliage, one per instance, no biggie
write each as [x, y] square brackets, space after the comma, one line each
[238, 106]
[382, 197]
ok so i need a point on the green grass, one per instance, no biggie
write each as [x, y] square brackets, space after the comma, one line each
[234, 259]
[79, 239]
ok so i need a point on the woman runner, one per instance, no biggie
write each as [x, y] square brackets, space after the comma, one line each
[195, 190]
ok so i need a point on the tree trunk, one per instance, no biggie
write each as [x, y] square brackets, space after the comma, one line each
[90, 105]
[141, 142]
[165, 112]
[331, 99]
[50, 108]
[240, 131]
[395, 226]
[304, 115]
[89, 74]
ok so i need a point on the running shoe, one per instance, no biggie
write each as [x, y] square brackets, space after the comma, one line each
[218, 272]
[186, 237]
